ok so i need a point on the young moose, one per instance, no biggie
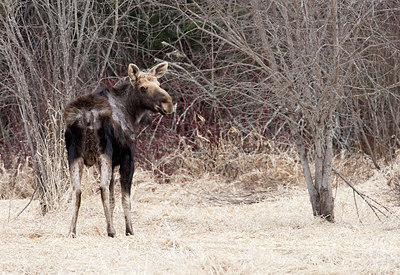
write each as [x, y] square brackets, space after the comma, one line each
[101, 129]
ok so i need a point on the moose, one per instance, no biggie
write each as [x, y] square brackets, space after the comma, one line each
[101, 129]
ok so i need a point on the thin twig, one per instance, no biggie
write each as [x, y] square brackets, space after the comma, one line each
[355, 203]
[26, 206]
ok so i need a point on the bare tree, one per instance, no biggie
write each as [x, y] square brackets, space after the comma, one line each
[304, 55]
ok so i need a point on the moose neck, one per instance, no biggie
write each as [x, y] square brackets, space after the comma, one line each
[134, 107]
[129, 102]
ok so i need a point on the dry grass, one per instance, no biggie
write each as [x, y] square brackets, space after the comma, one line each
[224, 210]
[16, 182]
[211, 223]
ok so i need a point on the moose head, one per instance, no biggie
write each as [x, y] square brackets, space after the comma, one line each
[152, 96]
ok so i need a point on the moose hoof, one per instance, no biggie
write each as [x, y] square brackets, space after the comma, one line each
[72, 235]
[128, 233]
[111, 231]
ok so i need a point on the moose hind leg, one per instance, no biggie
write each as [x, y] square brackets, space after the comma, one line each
[105, 179]
[126, 172]
[76, 173]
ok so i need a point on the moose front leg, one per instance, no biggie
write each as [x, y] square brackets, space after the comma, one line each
[126, 205]
[126, 172]
[76, 174]
[112, 197]
[105, 179]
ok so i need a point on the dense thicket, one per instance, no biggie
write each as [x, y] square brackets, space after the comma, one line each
[322, 75]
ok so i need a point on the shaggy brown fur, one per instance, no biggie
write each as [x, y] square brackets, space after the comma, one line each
[101, 130]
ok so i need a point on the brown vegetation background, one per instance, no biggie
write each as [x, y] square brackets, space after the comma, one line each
[270, 96]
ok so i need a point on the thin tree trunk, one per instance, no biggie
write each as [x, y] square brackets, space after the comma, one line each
[326, 196]
[314, 196]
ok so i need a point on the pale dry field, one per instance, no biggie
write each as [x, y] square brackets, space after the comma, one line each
[203, 226]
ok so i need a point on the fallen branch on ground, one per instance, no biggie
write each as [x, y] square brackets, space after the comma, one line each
[368, 200]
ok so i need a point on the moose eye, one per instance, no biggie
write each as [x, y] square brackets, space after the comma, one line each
[143, 89]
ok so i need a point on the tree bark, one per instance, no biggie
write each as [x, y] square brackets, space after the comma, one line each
[312, 191]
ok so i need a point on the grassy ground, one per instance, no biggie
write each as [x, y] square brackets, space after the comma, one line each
[203, 225]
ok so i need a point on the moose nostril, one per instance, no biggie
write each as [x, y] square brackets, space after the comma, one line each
[167, 107]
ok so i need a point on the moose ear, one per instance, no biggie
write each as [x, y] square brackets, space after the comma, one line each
[133, 72]
[159, 70]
